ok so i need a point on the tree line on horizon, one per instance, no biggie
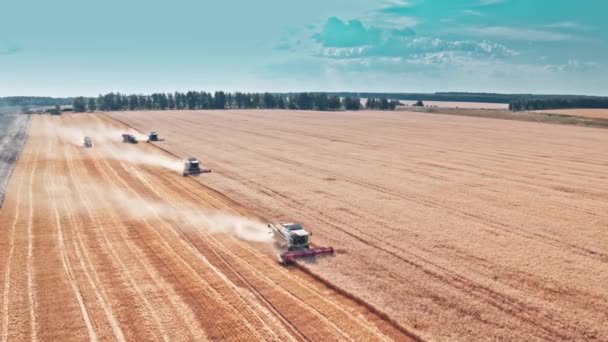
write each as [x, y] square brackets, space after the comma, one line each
[193, 100]
[31, 101]
[559, 103]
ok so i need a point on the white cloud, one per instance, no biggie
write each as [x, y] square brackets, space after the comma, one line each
[431, 57]
[402, 22]
[519, 34]
[472, 12]
[572, 65]
[491, 2]
[447, 71]
[333, 52]
[567, 25]
[389, 21]
[416, 46]
[419, 63]
[396, 3]
[385, 19]
[441, 58]
[480, 48]
[462, 63]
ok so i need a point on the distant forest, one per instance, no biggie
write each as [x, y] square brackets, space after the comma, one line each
[559, 103]
[517, 102]
[222, 100]
[303, 101]
[34, 101]
[449, 97]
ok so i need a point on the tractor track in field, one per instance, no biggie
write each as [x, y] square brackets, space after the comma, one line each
[68, 267]
[436, 204]
[243, 281]
[128, 276]
[92, 254]
[443, 275]
[102, 171]
[223, 261]
[508, 305]
[219, 260]
[32, 304]
[457, 227]
[299, 167]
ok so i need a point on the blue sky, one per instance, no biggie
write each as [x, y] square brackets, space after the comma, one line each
[82, 47]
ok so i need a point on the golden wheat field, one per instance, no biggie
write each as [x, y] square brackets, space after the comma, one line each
[587, 113]
[457, 227]
[445, 228]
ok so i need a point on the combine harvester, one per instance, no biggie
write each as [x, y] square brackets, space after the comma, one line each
[192, 167]
[293, 241]
[129, 138]
[153, 136]
[87, 142]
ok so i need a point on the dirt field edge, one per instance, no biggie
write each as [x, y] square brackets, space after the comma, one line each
[21, 140]
[525, 116]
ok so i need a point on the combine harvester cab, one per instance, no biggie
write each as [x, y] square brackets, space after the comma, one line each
[192, 166]
[153, 136]
[87, 142]
[129, 139]
[293, 241]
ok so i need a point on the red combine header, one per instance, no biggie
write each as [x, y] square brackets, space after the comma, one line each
[293, 241]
